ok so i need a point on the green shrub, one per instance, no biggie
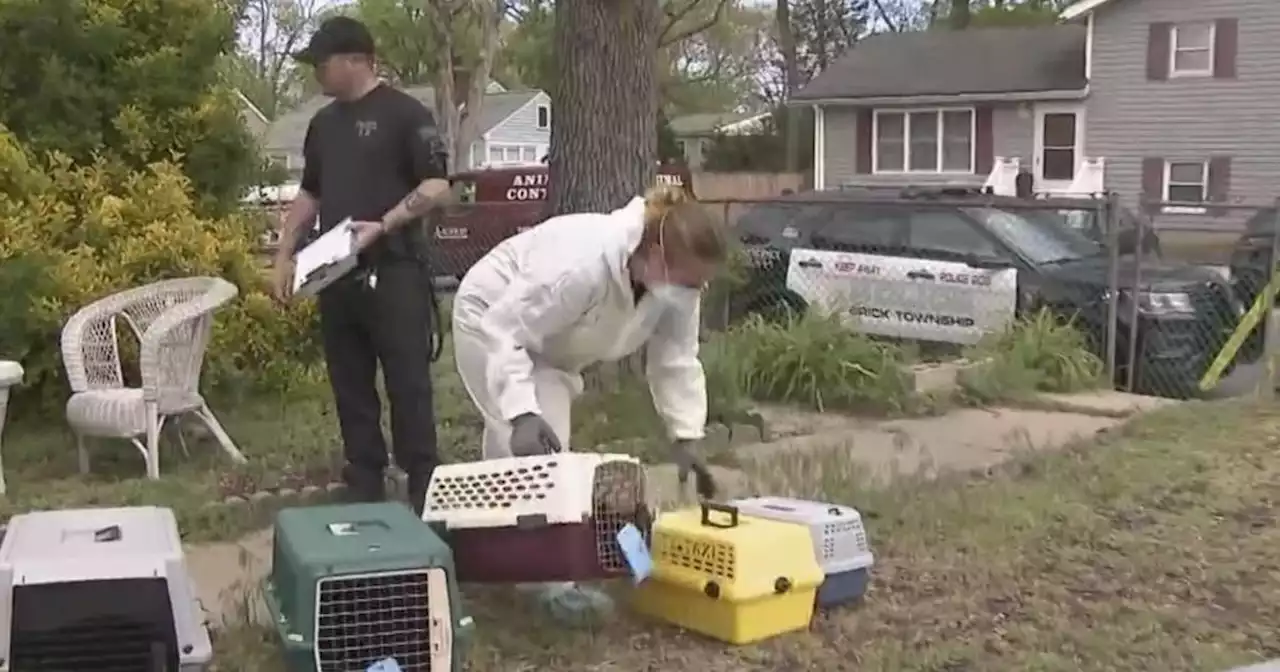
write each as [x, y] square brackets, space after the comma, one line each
[816, 361]
[1037, 353]
[71, 234]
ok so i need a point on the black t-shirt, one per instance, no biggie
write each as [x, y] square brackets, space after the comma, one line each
[364, 156]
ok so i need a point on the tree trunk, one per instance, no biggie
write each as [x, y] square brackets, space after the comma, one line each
[960, 14]
[604, 143]
[791, 67]
[459, 127]
[490, 14]
[446, 109]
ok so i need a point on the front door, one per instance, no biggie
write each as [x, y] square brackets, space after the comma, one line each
[1059, 145]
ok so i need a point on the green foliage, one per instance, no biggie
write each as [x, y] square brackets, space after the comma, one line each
[22, 280]
[816, 361]
[135, 79]
[1018, 14]
[1039, 353]
[71, 234]
[764, 151]
[668, 145]
[528, 54]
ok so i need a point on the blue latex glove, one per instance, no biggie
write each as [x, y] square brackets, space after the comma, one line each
[574, 605]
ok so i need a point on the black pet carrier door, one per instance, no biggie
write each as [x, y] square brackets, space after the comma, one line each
[123, 625]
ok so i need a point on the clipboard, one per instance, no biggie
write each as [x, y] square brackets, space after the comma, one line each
[325, 261]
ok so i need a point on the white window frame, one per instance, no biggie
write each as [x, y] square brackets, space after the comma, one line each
[1204, 188]
[512, 154]
[538, 112]
[1211, 49]
[938, 113]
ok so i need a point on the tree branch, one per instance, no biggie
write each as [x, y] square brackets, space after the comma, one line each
[667, 38]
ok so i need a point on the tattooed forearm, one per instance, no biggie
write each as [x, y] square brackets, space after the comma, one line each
[431, 194]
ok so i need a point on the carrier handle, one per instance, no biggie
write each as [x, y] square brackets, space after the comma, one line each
[731, 511]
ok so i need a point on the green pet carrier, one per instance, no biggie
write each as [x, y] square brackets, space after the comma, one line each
[353, 585]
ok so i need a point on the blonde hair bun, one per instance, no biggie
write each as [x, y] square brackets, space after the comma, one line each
[660, 200]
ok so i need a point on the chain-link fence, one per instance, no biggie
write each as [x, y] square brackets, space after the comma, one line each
[1205, 300]
[1158, 305]
[1160, 291]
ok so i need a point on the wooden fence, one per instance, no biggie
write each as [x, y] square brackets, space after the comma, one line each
[724, 186]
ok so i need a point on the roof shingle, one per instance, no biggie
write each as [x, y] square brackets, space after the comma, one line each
[947, 62]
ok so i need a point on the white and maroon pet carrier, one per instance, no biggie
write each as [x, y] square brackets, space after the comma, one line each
[543, 518]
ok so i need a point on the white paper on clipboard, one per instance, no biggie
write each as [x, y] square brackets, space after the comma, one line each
[322, 262]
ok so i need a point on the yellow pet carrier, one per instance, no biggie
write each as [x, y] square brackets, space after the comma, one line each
[736, 578]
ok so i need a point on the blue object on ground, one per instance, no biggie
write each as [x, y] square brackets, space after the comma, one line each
[387, 665]
[636, 553]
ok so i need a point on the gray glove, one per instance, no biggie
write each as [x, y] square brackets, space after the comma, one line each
[686, 454]
[531, 435]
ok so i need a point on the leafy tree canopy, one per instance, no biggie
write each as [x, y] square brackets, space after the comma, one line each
[138, 80]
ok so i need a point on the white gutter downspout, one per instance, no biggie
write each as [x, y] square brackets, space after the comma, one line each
[1088, 48]
[819, 149]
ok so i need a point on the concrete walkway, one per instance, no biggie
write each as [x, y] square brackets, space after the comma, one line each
[227, 573]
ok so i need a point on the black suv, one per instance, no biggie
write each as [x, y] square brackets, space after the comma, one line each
[1185, 313]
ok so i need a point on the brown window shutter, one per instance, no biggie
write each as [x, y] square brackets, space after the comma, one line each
[1158, 47]
[1219, 182]
[984, 147]
[1226, 43]
[1152, 183]
[866, 138]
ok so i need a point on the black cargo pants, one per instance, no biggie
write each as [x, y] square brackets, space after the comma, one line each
[388, 323]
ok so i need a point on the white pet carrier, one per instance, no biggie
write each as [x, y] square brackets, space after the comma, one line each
[839, 542]
[543, 518]
[98, 589]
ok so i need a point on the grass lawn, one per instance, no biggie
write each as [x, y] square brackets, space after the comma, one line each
[290, 443]
[1156, 548]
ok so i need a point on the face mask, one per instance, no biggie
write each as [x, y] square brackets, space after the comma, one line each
[675, 296]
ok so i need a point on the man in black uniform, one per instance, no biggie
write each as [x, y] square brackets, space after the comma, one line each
[374, 155]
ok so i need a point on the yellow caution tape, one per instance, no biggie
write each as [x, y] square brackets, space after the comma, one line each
[1261, 306]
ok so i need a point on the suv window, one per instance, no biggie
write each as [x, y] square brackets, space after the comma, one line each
[780, 224]
[948, 233]
[858, 228]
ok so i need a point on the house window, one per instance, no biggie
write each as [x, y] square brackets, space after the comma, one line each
[925, 141]
[544, 117]
[1186, 181]
[512, 154]
[1191, 50]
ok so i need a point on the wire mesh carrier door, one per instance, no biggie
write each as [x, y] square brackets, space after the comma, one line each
[98, 590]
[542, 518]
[357, 584]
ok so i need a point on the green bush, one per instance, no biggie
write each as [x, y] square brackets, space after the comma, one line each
[72, 234]
[1037, 353]
[137, 81]
[816, 361]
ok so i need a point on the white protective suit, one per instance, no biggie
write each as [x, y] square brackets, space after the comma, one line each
[550, 301]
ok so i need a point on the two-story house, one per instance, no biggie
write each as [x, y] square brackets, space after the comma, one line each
[1175, 97]
[514, 129]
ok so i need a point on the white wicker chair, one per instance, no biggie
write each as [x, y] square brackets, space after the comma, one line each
[172, 320]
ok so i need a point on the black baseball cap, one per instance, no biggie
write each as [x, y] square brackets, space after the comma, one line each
[339, 35]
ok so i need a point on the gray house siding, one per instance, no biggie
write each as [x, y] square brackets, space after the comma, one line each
[1012, 135]
[1130, 118]
[521, 128]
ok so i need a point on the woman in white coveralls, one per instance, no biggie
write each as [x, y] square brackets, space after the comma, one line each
[580, 289]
